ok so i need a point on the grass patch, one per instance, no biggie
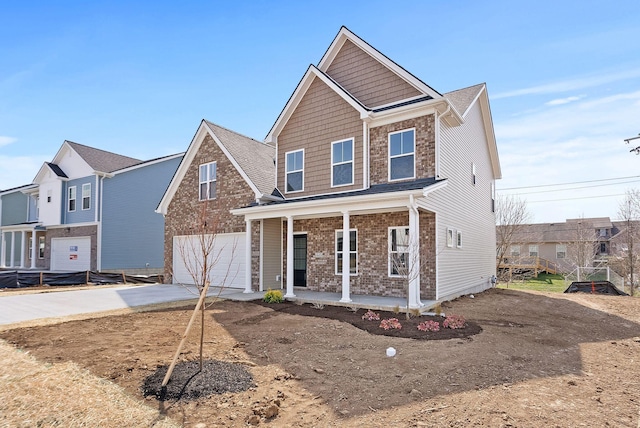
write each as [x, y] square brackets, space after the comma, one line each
[544, 282]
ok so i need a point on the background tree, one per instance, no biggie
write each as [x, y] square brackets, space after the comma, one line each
[512, 215]
[629, 212]
[581, 249]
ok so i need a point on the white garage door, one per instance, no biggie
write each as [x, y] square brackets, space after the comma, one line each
[71, 254]
[227, 256]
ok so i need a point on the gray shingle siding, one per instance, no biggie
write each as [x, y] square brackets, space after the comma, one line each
[132, 232]
[14, 209]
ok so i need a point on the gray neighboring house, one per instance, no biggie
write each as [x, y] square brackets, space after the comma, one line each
[87, 209]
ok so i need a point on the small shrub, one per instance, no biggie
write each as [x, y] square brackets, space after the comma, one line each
[454, 321]
[415, 312]
[429, 326]
[438, 309]
[371, 316]
[396, 309]
[390, 324]
[273, 296]
[318, 306]
[353, 309]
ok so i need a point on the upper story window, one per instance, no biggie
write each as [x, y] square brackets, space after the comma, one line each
[342, 163]
[603, 233]
[72, 198]
[561, 251]
[399, 251]
[533, 250]
[449, 237]
[208, 181]
[402, 155]
[458, 239]
[353, 252]
[473, 173]
[515, 251]
[294, 166]
[86, 196]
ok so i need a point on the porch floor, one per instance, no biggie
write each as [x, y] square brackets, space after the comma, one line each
[326, 298]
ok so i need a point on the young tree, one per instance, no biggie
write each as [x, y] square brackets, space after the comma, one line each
[583, 244]
[511, 217]
[200, 254]
[629, 212]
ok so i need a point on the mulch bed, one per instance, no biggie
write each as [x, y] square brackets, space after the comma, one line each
[409, 328]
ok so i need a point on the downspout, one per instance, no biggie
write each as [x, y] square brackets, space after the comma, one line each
[100, 184]
[365, 155]
[413, 208]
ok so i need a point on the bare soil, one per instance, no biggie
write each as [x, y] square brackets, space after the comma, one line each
[525, 359]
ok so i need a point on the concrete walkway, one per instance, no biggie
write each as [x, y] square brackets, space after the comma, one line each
[26, 307]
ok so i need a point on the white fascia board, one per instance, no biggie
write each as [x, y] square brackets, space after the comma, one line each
[190, 154]
[402, 113]
[72, 225]
[490, 134]
[331, 207]
[344, 34]
[226, 152]
[20, 227]
[41, 172]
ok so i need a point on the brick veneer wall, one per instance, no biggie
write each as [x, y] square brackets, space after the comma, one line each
[425, 147]
[69, 232]
[373, 276]
[186, 211]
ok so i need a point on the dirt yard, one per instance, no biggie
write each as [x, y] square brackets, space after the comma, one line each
[536, 360]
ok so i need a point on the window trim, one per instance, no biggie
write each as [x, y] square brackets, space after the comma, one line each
[334, 163]
[85, 185]
[564, 246]
[537, 250]
[74, 199]
[41, 246]
[208, 181]
[458, 239]
[389, 157]
[449, 237]
[287, 172]
[338, 231]
[512, 247]
[391, 252]
[473, 173]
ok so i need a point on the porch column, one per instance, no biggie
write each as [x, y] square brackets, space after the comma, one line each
[346, 260]
[3, 252]
[23, 241]
[13, 248]
[247, 258]
[34, 248]
[289, 257]
[414, 257]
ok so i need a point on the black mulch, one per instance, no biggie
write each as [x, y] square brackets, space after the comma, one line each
[187, 382]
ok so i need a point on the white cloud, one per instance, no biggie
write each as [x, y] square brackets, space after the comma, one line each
[561, 101]
[18, 170]
[5, 141]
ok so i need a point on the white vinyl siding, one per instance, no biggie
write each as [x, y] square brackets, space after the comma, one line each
[294, 167]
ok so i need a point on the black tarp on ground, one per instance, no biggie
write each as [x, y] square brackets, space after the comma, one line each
[594, 287]
[16, 279]
[9, 279]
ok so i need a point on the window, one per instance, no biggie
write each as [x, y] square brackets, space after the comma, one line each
[342, 163]
[41, 247]
[86, 196]
[493, 197]
[459, 239]
[603, 233]
[208, 181]
[561, 251]
[401, 155]
[449, 237]
[473, 173]
[603, 248]
[48, 196]
[398, 251]
[353, 252]
[515, 251]
[30, 247]
[294, 165]
[533, 251]
[72, 198]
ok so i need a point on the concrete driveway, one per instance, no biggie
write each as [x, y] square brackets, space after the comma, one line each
[26, 307]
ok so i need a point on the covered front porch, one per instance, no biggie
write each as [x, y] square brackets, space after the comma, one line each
[14, 244]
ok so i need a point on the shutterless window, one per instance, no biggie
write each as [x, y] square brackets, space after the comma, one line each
[353, 252]
[30, 247]
[561, 251]
[533, 251]
[72, 198]
[294, 165]
[41, 247]
[399, 251]
[459, 239]
[402, 155]
[208, 181]
[515, 251]
[86, 196]
[449, 237]
[342, 163]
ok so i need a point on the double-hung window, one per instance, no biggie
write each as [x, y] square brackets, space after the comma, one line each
[208, 181]
[342, 163]
[72, 198]
[86, 196]
[353, 252]
[399, 251]
[561, 251]
[402, 155]
[294, 165]
[41, 243]
[515, 250]
[533, 250]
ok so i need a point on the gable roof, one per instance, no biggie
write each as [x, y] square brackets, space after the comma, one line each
[56, 170]
[254, 161]
[101, 160]
[462, 99]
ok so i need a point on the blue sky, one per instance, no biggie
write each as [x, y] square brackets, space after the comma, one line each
[137, 77]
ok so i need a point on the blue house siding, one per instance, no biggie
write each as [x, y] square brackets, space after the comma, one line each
[14, 208]
[79, 215]
[132, 232]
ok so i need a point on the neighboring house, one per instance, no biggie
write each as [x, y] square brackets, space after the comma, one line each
[363, 149]
[579, 242]
[87, 209]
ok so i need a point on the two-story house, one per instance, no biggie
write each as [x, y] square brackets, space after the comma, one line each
[370, 182]
[87, 209]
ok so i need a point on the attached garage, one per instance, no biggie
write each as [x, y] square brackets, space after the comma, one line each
[227, 254]
[71, 254]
